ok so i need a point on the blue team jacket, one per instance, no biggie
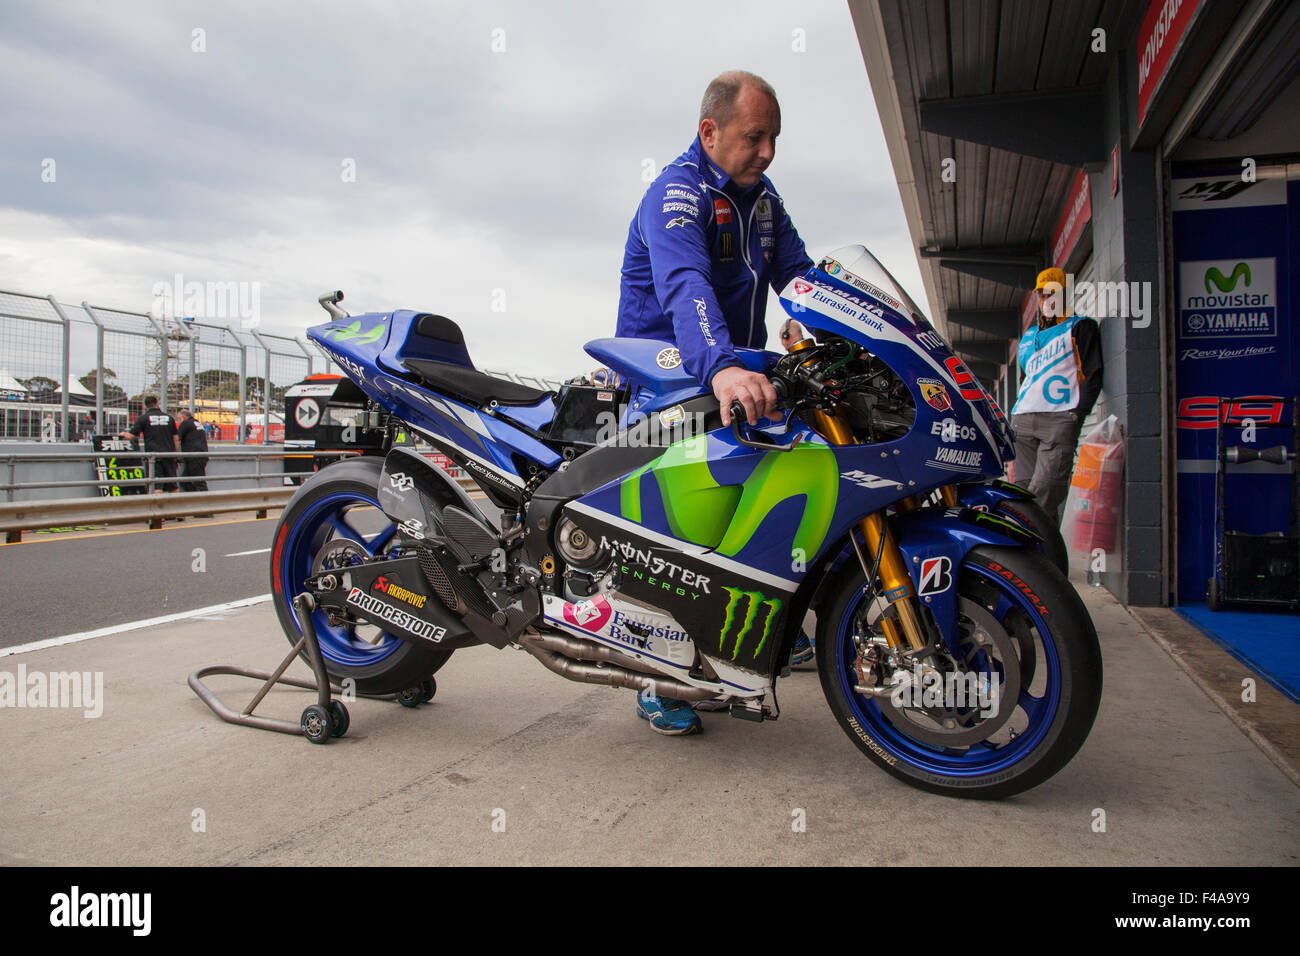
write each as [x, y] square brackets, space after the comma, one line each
[701, 253]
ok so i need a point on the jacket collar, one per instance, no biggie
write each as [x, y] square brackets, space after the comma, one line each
[713, 175]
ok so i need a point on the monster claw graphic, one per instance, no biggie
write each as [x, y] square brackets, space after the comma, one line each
[756, 601]
[1226, 283]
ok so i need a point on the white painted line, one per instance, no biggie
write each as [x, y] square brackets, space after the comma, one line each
[132, 626]
[240, 554]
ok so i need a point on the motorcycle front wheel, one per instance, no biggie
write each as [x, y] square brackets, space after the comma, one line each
[1023, 629]
[334, 519]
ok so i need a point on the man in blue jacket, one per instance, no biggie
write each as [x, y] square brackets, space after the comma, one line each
[709, 238]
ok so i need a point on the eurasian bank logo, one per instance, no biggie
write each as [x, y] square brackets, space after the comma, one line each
[1226, 283]
[754, 601]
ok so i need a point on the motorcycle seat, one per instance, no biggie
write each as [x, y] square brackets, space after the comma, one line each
[476, 387]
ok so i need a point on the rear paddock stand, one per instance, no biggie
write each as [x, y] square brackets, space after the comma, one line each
[321, 721]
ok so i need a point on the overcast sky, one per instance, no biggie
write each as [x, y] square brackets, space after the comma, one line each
[476, 169]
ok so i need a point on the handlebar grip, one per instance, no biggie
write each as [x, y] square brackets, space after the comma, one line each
[738, 413]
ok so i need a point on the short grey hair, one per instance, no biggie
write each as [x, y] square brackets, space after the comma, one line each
[719, 103]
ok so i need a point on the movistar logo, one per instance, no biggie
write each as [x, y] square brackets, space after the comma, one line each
[1226, 283]
[755, 601]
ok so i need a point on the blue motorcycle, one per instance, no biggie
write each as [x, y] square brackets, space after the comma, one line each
[642, 544]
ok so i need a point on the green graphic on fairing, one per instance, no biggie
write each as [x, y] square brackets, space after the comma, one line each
[756, 601]
[353, 333]
[726, 517]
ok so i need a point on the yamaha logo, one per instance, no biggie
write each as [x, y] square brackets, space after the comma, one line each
[668, 358]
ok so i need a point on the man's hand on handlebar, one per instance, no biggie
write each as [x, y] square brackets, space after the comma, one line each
[752, 390]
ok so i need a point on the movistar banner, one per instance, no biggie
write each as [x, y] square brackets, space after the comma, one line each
[1233, 339]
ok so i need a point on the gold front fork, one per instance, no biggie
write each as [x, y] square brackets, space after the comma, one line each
[898, 590]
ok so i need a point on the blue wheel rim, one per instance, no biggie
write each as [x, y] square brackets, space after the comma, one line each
[978, 759]
[324, 522]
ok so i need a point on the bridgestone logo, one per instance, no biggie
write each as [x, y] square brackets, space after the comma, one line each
[395, 616]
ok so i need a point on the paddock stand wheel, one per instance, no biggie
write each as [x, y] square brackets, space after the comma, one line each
[411, 696]
[316, 724]
[428, 688]
[339, 719]
[1213, 599]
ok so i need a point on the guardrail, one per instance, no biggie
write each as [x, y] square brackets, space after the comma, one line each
[19, 516]
[150, 458]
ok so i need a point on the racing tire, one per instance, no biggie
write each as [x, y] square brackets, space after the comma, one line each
[1018, 590]
[315, 518]
[1030, 513]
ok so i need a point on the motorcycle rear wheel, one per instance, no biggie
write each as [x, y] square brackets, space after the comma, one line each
[326, 511]
[1046, 623]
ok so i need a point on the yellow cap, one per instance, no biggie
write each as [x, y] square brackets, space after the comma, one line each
[1051, 275]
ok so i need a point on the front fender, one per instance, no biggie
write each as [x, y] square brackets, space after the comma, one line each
[935, 543]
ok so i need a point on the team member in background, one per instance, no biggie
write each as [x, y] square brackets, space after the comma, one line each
[193, 439]
[1061, 370]
[159, 432]
[708, 239]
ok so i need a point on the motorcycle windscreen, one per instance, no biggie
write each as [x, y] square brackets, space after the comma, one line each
[857, 268]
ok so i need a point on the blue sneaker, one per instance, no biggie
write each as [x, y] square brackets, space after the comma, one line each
[804, 650]
[673, 718]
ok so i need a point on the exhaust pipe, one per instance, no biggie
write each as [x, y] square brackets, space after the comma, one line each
[567, 657]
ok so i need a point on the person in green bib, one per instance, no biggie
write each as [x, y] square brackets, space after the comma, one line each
[1060, 379]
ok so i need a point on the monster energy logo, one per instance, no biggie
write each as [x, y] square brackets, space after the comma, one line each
[755, 601]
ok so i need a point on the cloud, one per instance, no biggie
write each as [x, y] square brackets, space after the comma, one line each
[476, 170]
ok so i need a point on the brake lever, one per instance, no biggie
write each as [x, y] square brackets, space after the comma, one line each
[738, 418]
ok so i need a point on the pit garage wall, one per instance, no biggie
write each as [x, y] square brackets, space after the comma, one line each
[1126, 248]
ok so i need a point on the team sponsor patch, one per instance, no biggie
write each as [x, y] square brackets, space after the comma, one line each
[395, 616]
[589, 615]
[727, 247]
[722, 210]
[677, 206]
[956, 459]
[395, 590]
[679, 221]
[672, 416]
[834, 268]
[948, 430]
[936, 576]
[934, 393]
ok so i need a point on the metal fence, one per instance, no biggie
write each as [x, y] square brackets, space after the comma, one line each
[67, 372]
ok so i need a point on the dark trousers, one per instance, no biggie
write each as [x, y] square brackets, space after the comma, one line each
[1045, 443]
[194, 468]
[164, 468]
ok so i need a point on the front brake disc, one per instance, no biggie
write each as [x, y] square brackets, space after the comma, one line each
[983, 639]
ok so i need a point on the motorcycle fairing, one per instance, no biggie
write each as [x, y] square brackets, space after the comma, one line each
[654, 370]
[642, 633]
[368, 347]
